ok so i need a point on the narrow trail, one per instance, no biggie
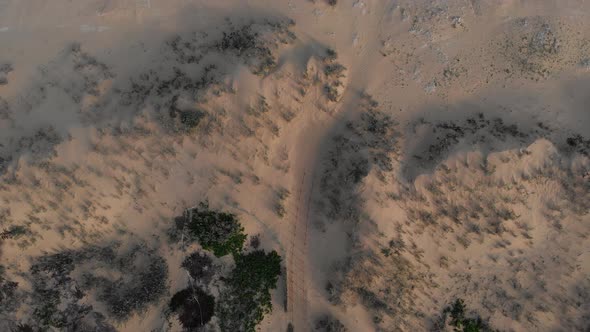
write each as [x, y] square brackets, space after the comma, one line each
[312, 140]
[297, 271]
[299, 274]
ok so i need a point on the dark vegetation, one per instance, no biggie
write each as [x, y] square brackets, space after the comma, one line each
[333, 72]
[250, 43]
[190, 119]
[13, 232]
[477, 128]
[194, 307]
[163, 88]
[189, 69]
[5, 69]
[367, 144]
[23, 328]
[199, 63]
[90, 70]
[5, 110]
[245, 295]
[147, 285]
[255, 241]
[245, 42]
[57, 295]
[53, 285]
[535, 48]
[282, 195]
[246, 298]
[187, 119]
[579, 144]
[459, 320]
[217, 231]
[199, 266]
[8, 293]
[85, 74]
[328, 323]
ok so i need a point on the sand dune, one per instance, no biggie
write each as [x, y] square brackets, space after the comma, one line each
[416, 165]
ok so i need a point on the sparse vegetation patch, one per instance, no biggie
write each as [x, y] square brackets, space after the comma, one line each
[58, 292]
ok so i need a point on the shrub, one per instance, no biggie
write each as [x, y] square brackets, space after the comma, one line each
[24, 328]
[219, 232]
[57, 293]
[51, 283]
[247, 298]
[13, 232]
[282, 195]
[579, 144]
[147, 285]
[194, 307]
[8, 293]
[6, 68]
[331, 55]
[247, 43]
[334, 70]
[329, 324]
[331, 92]
[460, 323]
[280, 209]
[191, 119]
[199, 267]
[255, 241]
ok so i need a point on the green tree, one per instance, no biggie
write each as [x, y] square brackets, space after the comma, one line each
[247, 297]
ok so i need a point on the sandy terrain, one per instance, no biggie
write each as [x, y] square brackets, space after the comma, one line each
[398, 156]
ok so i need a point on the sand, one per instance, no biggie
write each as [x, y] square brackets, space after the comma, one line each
[441, 152]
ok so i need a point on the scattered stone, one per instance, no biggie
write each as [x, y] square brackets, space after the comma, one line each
[457, 22]
[6, 68]
[430, 87]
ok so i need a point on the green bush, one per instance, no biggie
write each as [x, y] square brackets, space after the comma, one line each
[219, 232]
[247, 298]
[460, 323]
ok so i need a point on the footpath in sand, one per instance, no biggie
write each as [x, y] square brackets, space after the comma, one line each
[297, 257]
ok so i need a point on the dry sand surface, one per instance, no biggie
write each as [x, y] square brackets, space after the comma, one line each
[418, 165]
